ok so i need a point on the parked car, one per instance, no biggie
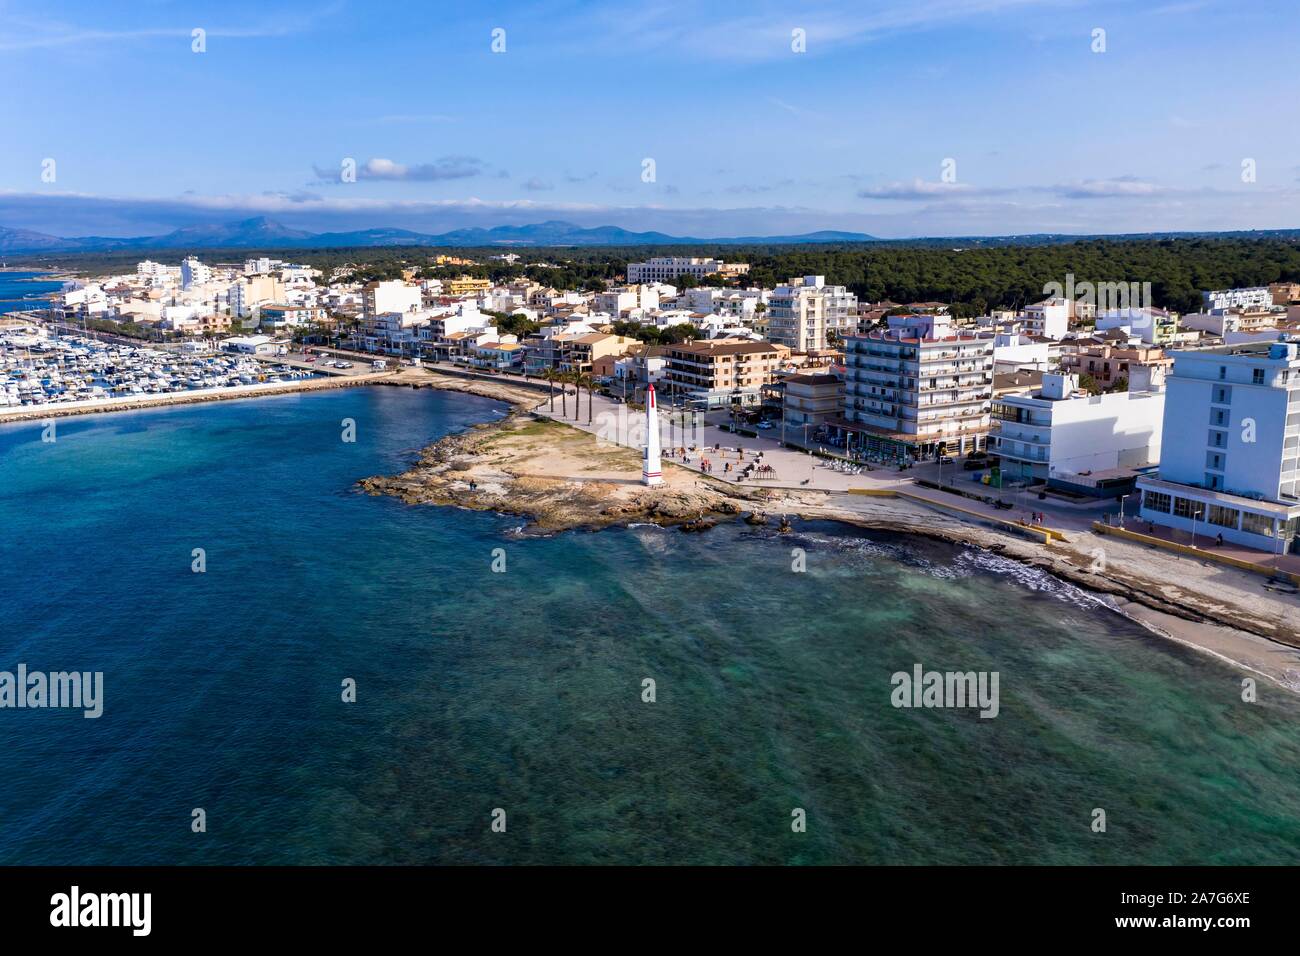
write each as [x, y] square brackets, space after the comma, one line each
[764, 425]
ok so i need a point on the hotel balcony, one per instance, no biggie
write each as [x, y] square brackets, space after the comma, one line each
[1018, 452]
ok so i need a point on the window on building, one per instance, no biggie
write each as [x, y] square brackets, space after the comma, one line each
[1223, 372]
[1257, 376]
[1156, 501]
[1223, 516]
[1214, 459]
[1186, 508]
[1222, 395]
[1257, 523]
[1218, 439]
[1213, 482]
[1219, 417]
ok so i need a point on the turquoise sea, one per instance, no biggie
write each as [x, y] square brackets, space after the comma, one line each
[522, 690]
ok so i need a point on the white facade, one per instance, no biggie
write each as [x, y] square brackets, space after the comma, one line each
[1151, 326]
[636, 369]
[151, 268]
[1016, 350]
[668, 268]
[1216, 323]
[194, 273]
[740, 303]
[390, 296]
[262, 266]
[1231, 454]
[617, 303]
[1062, 434]
[802, 313]
[1255, 297]
[1048, 319]
[251, 344]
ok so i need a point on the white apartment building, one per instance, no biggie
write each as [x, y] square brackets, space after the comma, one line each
[1230, 460]
[1152, 326]
[918, 389]
[668, 268]
[81, 303]
[627, 301]
[722, 327]
[151, 268]
[1069, 438]
[1013, 351]
[639, 369]
[194, 273]
[392, 295]
[249, 294]
[801, 313]
[1048, 319]
[1255, 297]
[262, 266]
[739, 303]
[618, 302]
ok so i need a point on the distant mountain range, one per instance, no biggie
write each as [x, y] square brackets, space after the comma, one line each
[263, 233]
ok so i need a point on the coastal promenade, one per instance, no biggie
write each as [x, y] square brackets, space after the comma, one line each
[798, 470]
[1024, 514]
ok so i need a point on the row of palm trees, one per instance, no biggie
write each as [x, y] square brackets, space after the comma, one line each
[579, 380]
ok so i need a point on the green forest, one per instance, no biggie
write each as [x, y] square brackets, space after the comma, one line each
[972, 279]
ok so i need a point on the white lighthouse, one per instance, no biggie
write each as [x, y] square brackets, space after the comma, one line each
[650, 470]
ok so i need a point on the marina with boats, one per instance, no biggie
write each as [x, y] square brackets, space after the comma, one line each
[41, 369]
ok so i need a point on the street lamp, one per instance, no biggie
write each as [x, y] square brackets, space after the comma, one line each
[1121, 510]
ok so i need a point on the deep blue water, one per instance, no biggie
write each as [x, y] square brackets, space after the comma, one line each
[15, 290]
[522, 690]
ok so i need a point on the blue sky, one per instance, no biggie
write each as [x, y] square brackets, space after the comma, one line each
[748, 137]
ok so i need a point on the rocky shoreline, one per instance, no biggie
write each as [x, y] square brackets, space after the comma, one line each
[559, 478]
[528, 467]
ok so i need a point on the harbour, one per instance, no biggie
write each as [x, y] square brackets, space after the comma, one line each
[44, 373]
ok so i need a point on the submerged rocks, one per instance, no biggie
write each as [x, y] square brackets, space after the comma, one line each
[699, 524]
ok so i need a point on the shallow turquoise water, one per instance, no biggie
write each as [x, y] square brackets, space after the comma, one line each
[522, 690]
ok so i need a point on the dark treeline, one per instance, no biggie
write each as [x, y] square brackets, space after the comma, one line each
[972, 278]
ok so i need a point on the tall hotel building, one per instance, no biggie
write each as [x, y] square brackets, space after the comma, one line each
[801, 313]
[1230, 455]
[917, 389]
[668, 268]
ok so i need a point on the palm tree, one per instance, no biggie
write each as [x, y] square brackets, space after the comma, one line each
[572, 378]
[586, 381]
[550, 376]
[563, 379]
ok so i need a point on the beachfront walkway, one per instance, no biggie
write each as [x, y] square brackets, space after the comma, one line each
[1205, 542]
[796, 469]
